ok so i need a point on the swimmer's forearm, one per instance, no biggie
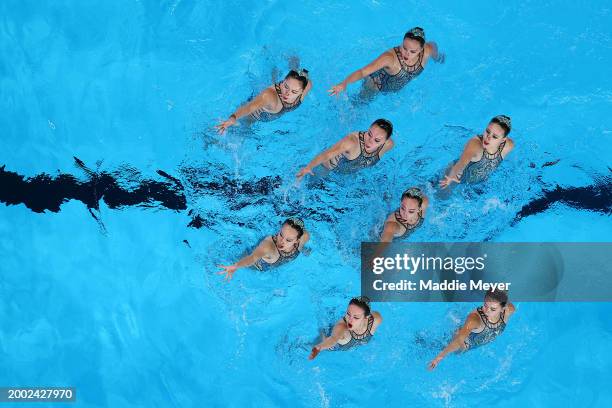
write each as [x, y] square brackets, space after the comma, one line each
[456, 170]
[326, 344]
[448, 349]
[452, 346]
[320, 158]
[354, 77]
[246, 261]
[241, 111]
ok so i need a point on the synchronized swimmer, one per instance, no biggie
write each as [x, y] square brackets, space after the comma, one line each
[356, 151]
[394, 68]
[356, 328]
[275, 250]
[482, 153]
[408, 217]
[482, 325]
[273, 101]
[390, 72]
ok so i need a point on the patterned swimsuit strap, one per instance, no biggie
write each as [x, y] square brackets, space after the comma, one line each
[405, 223]
[362, 147]
[488, 323]
[491, 156]
[406, 67]
[368, 330]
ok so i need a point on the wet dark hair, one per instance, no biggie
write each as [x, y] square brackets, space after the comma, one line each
[416, 33]
[504, 122]
[414, 193]
[499, 296]
[297, 224]
[362, 302]
[301, 76]
[385, 125]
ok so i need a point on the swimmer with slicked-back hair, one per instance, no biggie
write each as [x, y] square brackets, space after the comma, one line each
[482, 325]
[273, 101]
[482, 154]
[354, 152]
[396, 67]
[275, 250]
[356, 328]
[408, 217]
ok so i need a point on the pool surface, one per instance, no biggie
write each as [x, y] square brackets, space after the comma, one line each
[119, 200]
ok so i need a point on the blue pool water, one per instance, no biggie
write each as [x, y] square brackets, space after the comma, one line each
[131, 315]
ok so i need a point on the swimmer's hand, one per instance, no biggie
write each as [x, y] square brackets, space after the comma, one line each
[337, 89]
[303, 172]
[434, 363]
[440, 58]
[228, 270]
[448, 181]
[314, 353]
[222, 127]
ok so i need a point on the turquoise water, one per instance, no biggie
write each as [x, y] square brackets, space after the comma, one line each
[132, 316]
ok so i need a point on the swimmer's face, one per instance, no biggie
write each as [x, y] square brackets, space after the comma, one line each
[409, 208]
[374, 138]
[291, 89]
[354, 316]
[410, 48]
[492, 310]
[493, 136]
[286, 238]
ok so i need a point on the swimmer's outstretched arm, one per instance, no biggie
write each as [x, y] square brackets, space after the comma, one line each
[384, 60]
[343, 145]
[265, 98]
[328, 342]
[262, 250]
[458, 341]
[468, 154]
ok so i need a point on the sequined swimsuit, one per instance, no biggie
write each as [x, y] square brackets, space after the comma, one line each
[343, 165]
[476, 172]
[488, 334]
[410, 228]
[357, 339]
[283, 257]
[386, 82]
[263, 116]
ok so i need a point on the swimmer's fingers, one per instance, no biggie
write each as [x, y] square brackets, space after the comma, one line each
[228, 275]
[314, 353]
[221, 128]
[336, 90]
[303, 172]
[447, 181]
[228, 271]
[434, 363]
